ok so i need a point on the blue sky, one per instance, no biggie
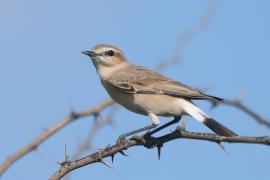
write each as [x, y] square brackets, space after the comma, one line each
[43, 73]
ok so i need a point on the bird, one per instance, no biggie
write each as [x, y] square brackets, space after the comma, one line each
[147, 92]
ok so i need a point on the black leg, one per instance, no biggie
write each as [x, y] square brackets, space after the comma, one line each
[123, 136]
[175, 120]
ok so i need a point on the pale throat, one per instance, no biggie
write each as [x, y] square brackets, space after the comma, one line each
[105, 72]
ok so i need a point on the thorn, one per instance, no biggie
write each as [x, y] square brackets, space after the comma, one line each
[123, 153]
[242, 97]
[104, 149]
[214, 104]
[221, 145]
[159, 150]
[112, 156]
[106, 164]
[96, 116]
[66, 161]
[34, 148]
[38, 151]
[71, 108]
[62, 163]
[72, 113]
[66, 154]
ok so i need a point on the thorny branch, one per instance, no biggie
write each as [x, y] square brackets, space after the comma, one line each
[101, 122]
[50, 131]
[74, 116]
[183, 40]
[86, 144]
[151, 142]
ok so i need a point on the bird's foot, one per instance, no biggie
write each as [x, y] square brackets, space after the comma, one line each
[121, 139]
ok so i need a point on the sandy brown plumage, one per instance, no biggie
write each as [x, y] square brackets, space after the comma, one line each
[147, 92]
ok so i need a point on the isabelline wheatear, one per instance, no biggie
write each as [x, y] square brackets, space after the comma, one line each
[147, 92]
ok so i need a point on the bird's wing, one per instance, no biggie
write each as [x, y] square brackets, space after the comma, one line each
[137, 79]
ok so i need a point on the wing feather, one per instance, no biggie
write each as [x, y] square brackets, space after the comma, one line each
[137, 79]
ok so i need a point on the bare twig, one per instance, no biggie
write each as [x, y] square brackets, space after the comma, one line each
[152, 142]
[239, 105]
[186, 37]
[86, 144]
[157, 142]
[50, 131]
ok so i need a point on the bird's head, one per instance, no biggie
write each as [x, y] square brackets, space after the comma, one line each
[105, 56]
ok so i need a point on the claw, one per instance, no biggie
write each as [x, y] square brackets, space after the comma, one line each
[121, 139]
[146, 135]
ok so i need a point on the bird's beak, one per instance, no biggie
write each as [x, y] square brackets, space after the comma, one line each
[91, 54]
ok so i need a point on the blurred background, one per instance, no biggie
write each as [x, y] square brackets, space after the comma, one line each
[220, 47]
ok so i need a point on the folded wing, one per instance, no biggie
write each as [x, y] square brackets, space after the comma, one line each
[137, 79]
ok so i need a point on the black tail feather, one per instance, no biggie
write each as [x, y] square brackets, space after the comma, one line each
[218, 128]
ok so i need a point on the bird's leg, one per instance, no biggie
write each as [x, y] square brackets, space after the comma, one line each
[175, 120]
[123, 136]
[155, 123]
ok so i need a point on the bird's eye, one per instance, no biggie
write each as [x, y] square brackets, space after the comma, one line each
[110, 53]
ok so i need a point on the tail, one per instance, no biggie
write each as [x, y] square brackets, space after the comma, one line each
[212, 124]
[218, 128]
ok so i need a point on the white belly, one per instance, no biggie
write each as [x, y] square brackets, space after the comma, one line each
[162, 105]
